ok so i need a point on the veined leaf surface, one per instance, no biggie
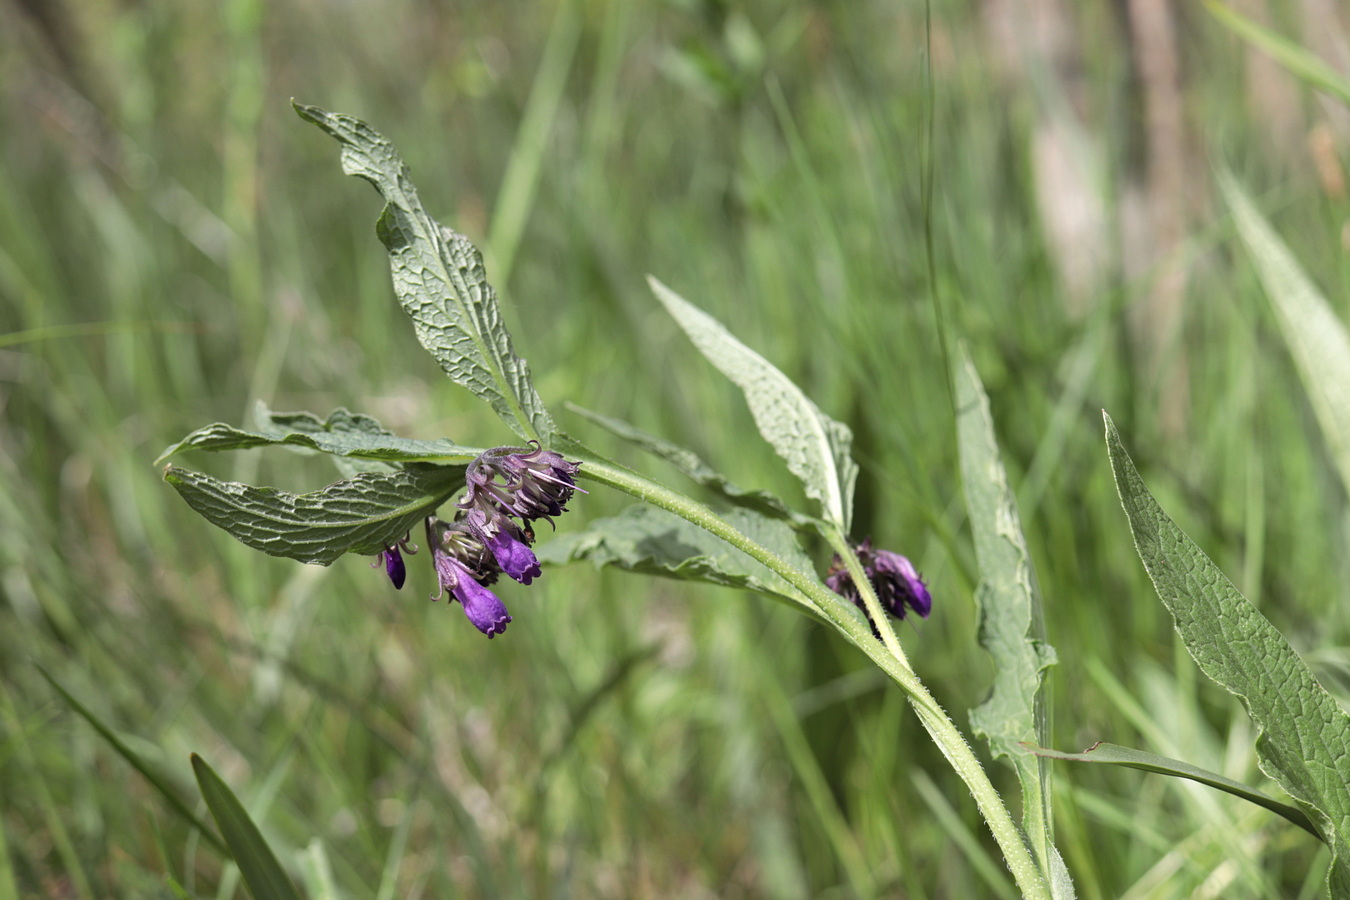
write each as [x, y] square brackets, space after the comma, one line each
[815, 447]
[440, 281]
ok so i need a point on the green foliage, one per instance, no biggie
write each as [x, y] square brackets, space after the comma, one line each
[1304, 735]
[173, 248]
[815, 447]
[1012, 627]
[440, 280]
[654, 542]
[1115, 755]
[1316, 336]
[363, 514]
[262, 872]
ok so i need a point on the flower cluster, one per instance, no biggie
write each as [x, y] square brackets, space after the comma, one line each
[893, 577]
[484, 540]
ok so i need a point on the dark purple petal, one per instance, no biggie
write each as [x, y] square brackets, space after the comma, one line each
[514, 556]
[484, 609]
[394, 568]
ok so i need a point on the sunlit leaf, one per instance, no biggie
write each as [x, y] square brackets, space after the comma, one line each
[815, 447]
[362, 515]
[440, 281]
[1304, 741]
[1011, 624]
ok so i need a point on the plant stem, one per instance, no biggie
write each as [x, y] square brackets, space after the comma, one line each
[833, 607]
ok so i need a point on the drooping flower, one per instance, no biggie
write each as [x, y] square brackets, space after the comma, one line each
[893, 577]
[465, 568]
[392, 560]
[508, 543]
[536, 484]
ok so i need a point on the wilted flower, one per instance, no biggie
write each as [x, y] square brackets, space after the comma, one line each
[536, 484]
[465, 568]
[392, 560]
[893, 577]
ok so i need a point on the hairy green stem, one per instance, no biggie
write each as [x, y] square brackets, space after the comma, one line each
[880, 621]
[834, 608]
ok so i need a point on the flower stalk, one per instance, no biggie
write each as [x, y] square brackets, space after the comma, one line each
[885, 653]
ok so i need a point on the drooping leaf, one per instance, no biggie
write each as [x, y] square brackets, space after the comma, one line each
[440, 281]
[1116, 755]
[815, 447]
[655, 542]
[1012, 628]
[1304, 741]
[1316, 336]
[361, 515]
[689, 463]
[262, 871]
[338, 441]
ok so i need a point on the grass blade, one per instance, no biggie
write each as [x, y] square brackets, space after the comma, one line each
[1317, 338]
[1116, 755]
[157, 781]
[1300, 62]
[257, 863]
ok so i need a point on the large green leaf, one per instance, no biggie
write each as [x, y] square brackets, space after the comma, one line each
[440, 281]
[1316, 336]
[815, 447]
[1011, 624]
[363, 514]
[1304, 741]
[262, 872]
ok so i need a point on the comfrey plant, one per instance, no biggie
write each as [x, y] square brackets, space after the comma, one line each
[751, 539]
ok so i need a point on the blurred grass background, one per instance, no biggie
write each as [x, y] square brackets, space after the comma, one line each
[175, 244]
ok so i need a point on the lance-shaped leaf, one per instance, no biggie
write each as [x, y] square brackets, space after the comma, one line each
[655, 542]
[440, 281]
[1011, 625]
[1103, 753]
[1304, 741]
[815, 447]
[1316, 336]
[326, 437]
[364, 514]
[689, 463]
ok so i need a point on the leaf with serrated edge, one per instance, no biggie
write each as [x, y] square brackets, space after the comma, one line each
[1316, 336]
[689, 463]
[440, 281]
[361, 515]
[262, 872]
[1304, 741]
[815, 447]
[1011, 626]
[1115, 755]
